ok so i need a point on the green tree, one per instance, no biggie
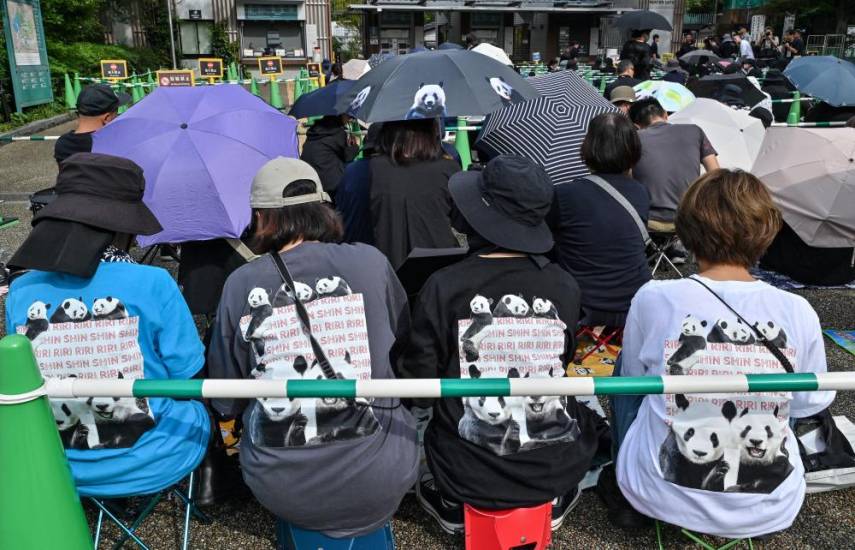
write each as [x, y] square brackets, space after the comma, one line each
[74, 20]
[220, 44]
[841, 11]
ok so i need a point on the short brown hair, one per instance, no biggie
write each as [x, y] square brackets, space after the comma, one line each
[727, 217]
[273, 228]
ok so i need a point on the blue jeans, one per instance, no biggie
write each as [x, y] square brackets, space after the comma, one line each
[624, 410]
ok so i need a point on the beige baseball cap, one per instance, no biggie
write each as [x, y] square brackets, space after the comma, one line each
[623, 93]
[273, 178]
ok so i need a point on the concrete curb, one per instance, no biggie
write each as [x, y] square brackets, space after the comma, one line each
[38, 126]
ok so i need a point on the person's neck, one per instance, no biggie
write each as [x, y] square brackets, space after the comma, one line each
[724, 272]
[293, 245]
[87, 126]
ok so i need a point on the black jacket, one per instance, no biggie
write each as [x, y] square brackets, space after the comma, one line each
[327, 151]
[620, 81]
[639, 54]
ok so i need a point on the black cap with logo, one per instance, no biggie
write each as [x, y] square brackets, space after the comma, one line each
[100, 99]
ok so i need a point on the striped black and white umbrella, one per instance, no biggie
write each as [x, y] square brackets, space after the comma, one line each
[549, 129]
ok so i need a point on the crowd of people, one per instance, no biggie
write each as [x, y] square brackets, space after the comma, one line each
[312, 291]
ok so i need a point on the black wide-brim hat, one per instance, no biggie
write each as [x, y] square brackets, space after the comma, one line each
[507, 203]
[101, 191]
[62, 246]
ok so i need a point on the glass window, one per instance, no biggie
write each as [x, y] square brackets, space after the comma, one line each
[195, 37]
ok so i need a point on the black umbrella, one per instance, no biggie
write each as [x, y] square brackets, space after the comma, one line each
[550, 129]
[642, 19]
[446, 83]
[377, 58]
[696, 57]
[322, 101]
[449, 46]
[723, 87]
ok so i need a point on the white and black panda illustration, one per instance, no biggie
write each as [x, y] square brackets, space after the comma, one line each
[503, 90]
[260, 312]
[488, 422]
[71, 310]
[359, 100]
[544, 308]
[120, 421]
[764, 462]
[731, 332]
[547, 420]
[511, 306]
[429, 102]
[76, 423]
[692, 342]
[693, 453]
[278, 422]
[482, 318]
[775, 334]
[283, 297]
[108, 308]
[37, 320]
[333, 286]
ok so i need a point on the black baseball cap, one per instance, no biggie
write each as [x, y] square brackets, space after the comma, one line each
[100, 99]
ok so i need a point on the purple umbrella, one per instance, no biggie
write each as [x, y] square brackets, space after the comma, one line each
[199, 149]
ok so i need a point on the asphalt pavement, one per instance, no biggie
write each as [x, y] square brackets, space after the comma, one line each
[827, 521]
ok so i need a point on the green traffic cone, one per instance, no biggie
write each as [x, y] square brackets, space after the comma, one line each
[76, 85]
[135, 93]
[70, 101]
[253, 87]
[795, 114]
[41, 508]
[461, 143]
[275, 95]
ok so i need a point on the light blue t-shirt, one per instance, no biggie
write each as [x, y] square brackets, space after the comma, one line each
[127, 321]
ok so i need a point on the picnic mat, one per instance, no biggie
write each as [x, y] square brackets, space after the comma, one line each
[843, 338]
[779, 280]
[599, 363]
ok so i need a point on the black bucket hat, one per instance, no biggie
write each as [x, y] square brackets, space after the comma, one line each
[507, 203]
[101, 191]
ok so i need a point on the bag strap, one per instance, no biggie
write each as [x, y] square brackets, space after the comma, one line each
[303, 315]
[617, 196]
[779, 355]
[244, 251]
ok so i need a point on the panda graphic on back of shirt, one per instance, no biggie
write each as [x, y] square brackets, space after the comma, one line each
[283, 297]
[108, 308]
[37, 320]
[482, 318]
[763, 459]
[772, 332]
[693, 453]
[260, 312]
[544, 309]
[331, 287]
[511, 305]
[692, 342]
[428, 102]
[71, 310]
[488, 422]
[731, 332]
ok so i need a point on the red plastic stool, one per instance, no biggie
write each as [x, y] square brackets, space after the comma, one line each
[516, 529]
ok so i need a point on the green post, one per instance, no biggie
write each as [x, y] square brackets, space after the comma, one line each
[150, 80]
[136, 92]
[38, 485]
[76, 84]
[603, 84]
[275, 95]
[70, 101]
[253, 87]
[461, 143]
[795, 114]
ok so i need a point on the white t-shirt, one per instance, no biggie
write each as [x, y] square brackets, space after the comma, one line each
[745, 49]
[721, 464]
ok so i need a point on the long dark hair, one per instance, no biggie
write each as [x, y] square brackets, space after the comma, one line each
[273, 228]
[410, 141]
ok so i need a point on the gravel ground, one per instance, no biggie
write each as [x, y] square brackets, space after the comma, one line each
[826, 521]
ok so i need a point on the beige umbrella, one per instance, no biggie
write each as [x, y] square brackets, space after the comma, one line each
[811, 175]
[354, 69]
[493, 52]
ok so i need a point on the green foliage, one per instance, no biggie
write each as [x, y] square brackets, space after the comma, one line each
[221, 46]
[701, 6]
[32, 114]
[83, 57]
[78, 20]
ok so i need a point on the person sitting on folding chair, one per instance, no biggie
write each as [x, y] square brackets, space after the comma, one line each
[596, 238]
[505, 311]
[726, 464]
[92, 312]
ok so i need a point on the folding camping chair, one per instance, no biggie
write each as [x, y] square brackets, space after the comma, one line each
[663, 237]
[612, 324]
[129, 528]
[699, 540]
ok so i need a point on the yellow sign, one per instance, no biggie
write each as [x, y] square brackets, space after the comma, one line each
[270, 66]
[210, 67]
[114, 69]
[175, 78]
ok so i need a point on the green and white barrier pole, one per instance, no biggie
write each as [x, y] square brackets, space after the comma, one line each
[795, 114]
[449, 387]
[8, 139]
[827, 124]
[40, 506]
[461, 143]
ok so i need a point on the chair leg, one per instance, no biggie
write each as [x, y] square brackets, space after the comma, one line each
[98, 528]
[128, 533]
[659, 534]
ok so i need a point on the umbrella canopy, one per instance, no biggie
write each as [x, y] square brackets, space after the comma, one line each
[493, 52]
[672, 96]
[696, 57]
[378, 58]
[827, 77]
[811, 175]
[321, 102]
[449, 46]
[354, 69]
[199, 149]
[642, 19]
[719, 87]
[548, 130]
[434, 84]
[735, 135]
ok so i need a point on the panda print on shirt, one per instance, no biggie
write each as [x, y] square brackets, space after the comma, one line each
[90, 338]
[513, 336]
[281, 350]
[733, 443]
